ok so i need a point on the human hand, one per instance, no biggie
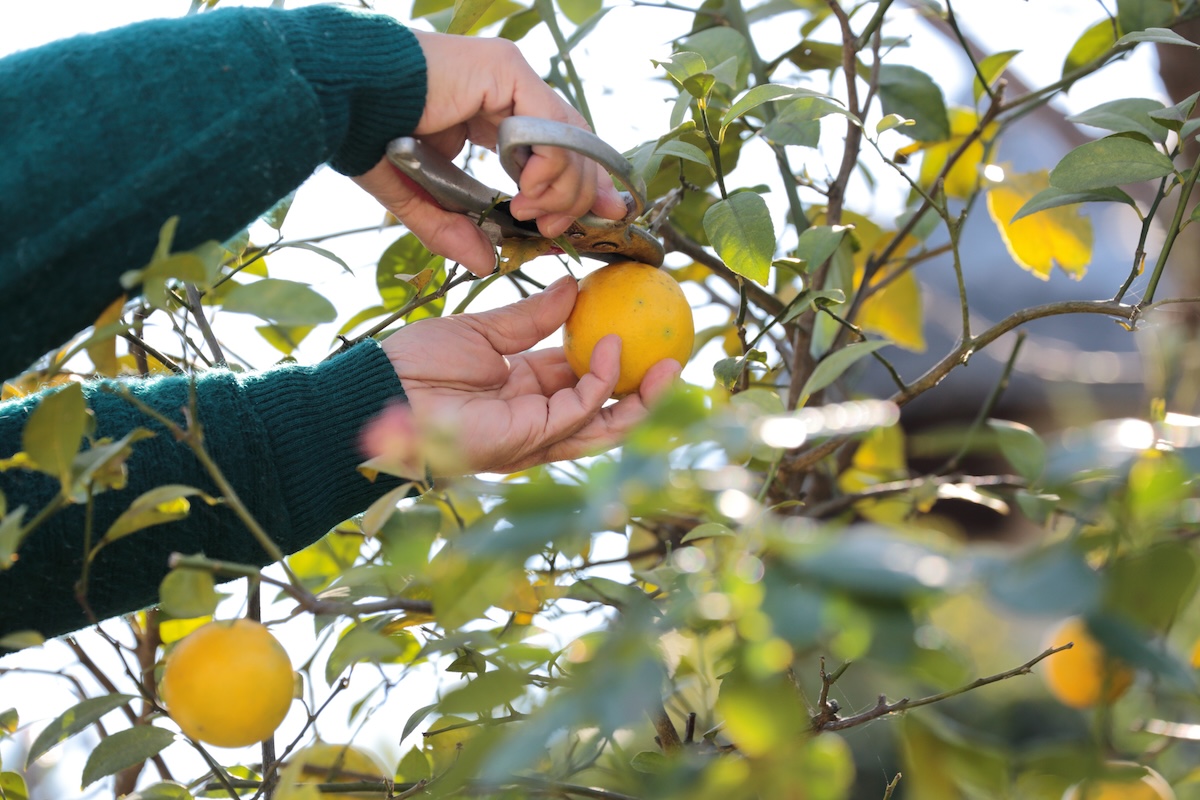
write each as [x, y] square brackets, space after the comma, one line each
[480, 401]
[473, 84]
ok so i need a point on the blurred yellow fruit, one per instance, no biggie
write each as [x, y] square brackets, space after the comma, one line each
[228, 684]
[1124, 780]
[330, 763]
[1084, 675]
[641, 303]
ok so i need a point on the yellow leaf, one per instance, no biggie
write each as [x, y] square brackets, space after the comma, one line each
[879, 459]
[1037, 242]
[103, 351]
[516, 252]
[963, 178]
[895, 312]
[172, 630]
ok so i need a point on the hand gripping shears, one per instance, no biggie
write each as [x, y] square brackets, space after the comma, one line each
[455, 190]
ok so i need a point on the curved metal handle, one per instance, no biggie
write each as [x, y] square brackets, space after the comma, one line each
[517, 136]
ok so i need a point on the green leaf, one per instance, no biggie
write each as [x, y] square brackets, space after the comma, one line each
[280, 301]
[708, 530]
[835, 364]
[682, 65]
[162, 791]
[1156, 35]
[424, 8]
[579, 11]
[725, 50]
[323, 253]
[684, 150]
[10, 720]
[518, 25]
[912, 94]
[797, 122]
[284, 338]
[1137, 648]
[743, 235]
[1021, 446]
[12, 786]
[1130, 114]
[1054, 580]
[820, 242]
[360, 643]
[278, 212]
[12, 531]
[416, 718]
[403, 259]
[760, 95]
[123, 749]
[869, 561]
[19, 640]
[649, 761]
[992, 67]
[1053, 198]
[1091, 45]
[891, 121]
[1178, 115]
[1109, 162]
[728, 370]
[54, 430]
[1150, 587]
[154, 507]
[72, 721]
[414, 766]
[484, 692]
[466, 14]
[188, 593]
[1145, 15]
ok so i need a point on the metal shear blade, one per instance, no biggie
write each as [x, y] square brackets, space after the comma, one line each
[455, 190]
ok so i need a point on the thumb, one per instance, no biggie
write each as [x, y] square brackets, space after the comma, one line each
[518, 327]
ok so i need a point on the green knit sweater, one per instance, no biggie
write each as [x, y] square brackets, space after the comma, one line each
[211, 118]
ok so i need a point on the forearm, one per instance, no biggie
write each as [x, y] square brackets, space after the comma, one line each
[210, 118]
[287, 441]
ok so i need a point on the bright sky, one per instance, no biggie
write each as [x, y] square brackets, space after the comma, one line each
[628, 105]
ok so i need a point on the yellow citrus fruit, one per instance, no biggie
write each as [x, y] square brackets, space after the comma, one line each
[228, 684]
[641, 303]
[1196, 655]
[329, 763]
[1084, 675]
[1123, 780]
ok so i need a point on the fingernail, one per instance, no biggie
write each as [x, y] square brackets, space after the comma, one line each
[554, 226]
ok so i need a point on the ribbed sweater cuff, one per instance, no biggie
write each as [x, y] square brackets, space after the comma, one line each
[313, 416]
[368, 71]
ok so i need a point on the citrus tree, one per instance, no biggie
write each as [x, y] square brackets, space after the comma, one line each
[777, 588]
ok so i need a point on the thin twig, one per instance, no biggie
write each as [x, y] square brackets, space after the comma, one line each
[882, 708]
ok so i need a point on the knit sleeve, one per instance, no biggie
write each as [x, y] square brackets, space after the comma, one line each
[211, 118]
[286, 439]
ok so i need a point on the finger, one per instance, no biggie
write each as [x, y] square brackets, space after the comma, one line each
[571, 409]
[548, 367]
[609, 203]
[515, 328]
[448, 234]
[658, 380]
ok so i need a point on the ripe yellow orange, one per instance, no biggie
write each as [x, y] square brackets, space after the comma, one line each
[1084, 675]
[1123, 780]
[641, 303]
[228, 684]
[329, 763]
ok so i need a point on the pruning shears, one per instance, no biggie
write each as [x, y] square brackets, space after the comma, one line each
[454, 190]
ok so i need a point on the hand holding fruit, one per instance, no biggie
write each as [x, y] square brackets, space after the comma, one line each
[473, 384]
